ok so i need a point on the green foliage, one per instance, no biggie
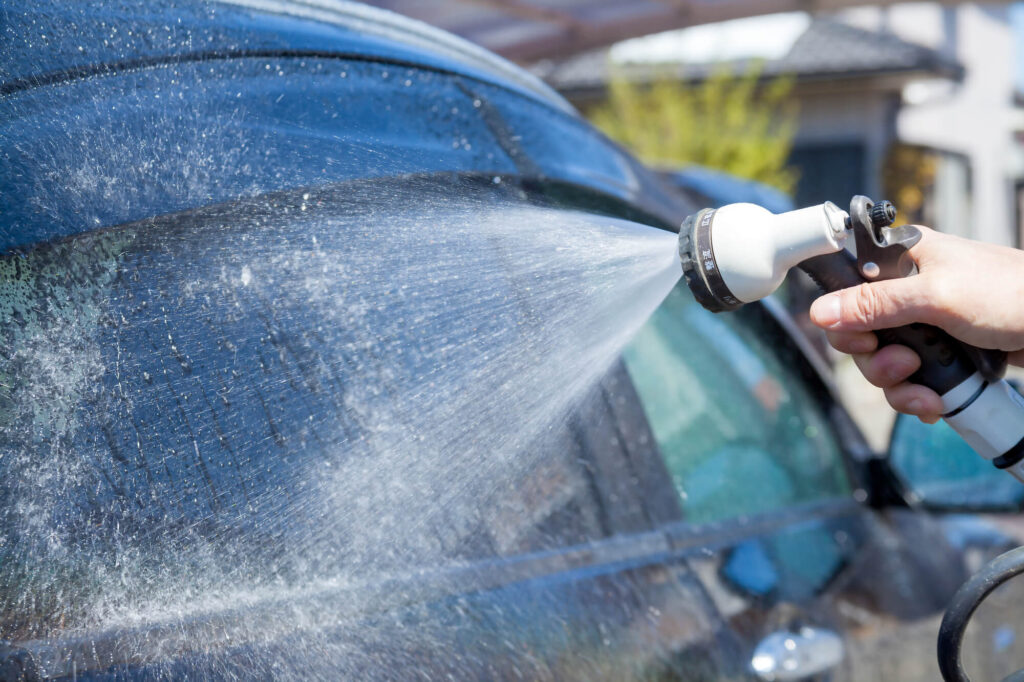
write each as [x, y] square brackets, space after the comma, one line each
[733, 123]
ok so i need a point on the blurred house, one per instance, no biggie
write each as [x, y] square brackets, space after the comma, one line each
[971, 128]
[912, 102]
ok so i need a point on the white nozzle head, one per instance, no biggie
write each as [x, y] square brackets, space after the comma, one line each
[754, 249]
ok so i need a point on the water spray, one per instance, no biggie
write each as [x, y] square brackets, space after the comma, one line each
[740, 253]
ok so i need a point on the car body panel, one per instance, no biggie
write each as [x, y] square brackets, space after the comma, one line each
[54, 41]
[121, 147]
[717, 188]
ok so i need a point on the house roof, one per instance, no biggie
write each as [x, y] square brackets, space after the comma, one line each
[529, 30]
[824, 49]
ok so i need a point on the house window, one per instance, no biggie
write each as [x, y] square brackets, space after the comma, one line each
[929, 186]
[828, 172]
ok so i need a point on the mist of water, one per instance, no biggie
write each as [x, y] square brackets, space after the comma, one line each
[294, 401]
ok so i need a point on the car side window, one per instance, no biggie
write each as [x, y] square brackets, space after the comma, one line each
[258, 390]
[739, 430]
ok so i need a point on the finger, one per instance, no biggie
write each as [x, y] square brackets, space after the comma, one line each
[1016, 358]
[914, 399]
[924, 250]
[889, 366]
[874, 305]
[852, 342]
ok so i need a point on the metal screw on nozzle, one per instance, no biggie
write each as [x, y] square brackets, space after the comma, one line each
[883, 214]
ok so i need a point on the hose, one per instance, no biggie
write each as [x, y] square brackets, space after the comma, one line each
[965, 602]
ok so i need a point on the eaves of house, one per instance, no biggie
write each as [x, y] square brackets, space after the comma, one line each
[826, 54]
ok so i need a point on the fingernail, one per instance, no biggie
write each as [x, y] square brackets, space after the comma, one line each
[914, 406]
[826, 311]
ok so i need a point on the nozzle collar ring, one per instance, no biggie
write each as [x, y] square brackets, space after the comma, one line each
[700, 269]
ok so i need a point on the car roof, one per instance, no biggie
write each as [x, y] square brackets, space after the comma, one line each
[60, 39]
[721, 188]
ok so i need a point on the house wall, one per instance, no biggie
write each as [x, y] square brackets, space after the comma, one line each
[842, 117]
[977, 118]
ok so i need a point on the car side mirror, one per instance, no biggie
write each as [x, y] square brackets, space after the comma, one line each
[945, 473]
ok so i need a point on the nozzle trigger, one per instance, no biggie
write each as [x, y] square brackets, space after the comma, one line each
[882, 251]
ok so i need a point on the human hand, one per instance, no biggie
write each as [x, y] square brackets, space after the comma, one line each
[972, 290]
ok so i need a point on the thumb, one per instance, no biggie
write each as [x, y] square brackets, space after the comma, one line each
[869, 306]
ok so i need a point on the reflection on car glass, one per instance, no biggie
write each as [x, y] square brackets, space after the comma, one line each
[791, 565]
[730, 349]
[738, 429]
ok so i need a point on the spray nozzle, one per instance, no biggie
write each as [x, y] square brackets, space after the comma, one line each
[741, 252]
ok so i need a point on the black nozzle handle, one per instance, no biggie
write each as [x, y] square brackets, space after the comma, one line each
[945, 362]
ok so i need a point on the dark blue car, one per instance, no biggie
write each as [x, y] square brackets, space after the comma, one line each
[254, 424]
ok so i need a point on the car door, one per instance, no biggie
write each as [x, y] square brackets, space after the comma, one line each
[771, 517]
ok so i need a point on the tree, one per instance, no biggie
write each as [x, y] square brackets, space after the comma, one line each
[733, 123]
